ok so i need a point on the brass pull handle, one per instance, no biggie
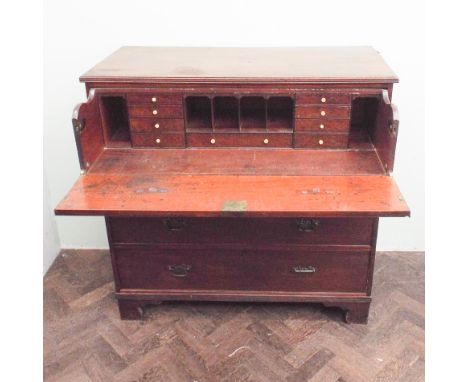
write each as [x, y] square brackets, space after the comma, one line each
[175, 224]
[307, 225]
[304, 269]
[179, 270]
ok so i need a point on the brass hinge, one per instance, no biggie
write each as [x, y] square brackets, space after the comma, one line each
[78, 125]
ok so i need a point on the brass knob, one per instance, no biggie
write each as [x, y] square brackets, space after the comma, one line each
[153, 99]
[323, 99]
[322, 126]
[320, 142]
[158, 140]
[322, 113]
[155, 112]
[156, 125]
[213, 141]
[265, 141]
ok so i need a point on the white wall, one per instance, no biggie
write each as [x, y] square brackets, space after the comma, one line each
[51, 242]
[79, 34]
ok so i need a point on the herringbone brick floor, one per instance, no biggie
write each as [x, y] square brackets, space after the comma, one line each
[84, 339]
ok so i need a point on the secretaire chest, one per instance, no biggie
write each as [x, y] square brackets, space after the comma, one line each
[239, 174]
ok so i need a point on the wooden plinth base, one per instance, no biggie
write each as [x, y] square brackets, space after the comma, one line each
[356, 312]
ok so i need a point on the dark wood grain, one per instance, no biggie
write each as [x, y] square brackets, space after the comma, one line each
[154, 98]
[158, 139]
[88, 131]
[149, 125]
[321, 141]
[320, 64]
[148, 268]
[163, 111]
[266, 139]
[321, 126]
[323, 98]
[273, 176]
[240, 230]
[323, 111]
[245, 162]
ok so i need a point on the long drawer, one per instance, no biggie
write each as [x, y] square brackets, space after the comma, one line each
[313, 269]
[355, 231]
[239, 139]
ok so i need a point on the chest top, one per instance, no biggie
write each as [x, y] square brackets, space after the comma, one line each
[316, 65]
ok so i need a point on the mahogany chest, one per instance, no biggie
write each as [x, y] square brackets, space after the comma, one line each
[239, 174]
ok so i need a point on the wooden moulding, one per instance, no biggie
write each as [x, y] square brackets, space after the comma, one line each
[132, 302]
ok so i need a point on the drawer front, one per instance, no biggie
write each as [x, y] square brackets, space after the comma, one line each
[268, 231]
[322, 112]
[154, 98]
[239, 140]
[149, 125]
[323, 126]
[322, 98]
[158, 268]
[321, 141]
[158, 140]
[163, 111]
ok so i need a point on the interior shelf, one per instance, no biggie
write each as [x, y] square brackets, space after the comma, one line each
[226, 113]
[253, 113]
[198, 113]
[115, 121]
[280, 112]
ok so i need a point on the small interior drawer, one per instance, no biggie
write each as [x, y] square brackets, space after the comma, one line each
[322, 126]
[323, 111]
[292, 269]
[322, 98]
[154, 98]
[158, 140]
[239, 140]
[321, 141]
[162, 111]
[150, 125]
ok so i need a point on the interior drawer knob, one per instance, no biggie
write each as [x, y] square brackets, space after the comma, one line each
[181, 270]
[158, 140]
[175, 224]
[307, 225]
[322, 113]
[155, 112]
[323, 99]
[322, 126]
[265, 141]
[153, 99]
[320, 142]
[213, 141]
[156, 126]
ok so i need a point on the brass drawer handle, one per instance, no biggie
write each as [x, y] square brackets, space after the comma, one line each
[307, 225]
[304, 269]
[175, 224]
[179, 270]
